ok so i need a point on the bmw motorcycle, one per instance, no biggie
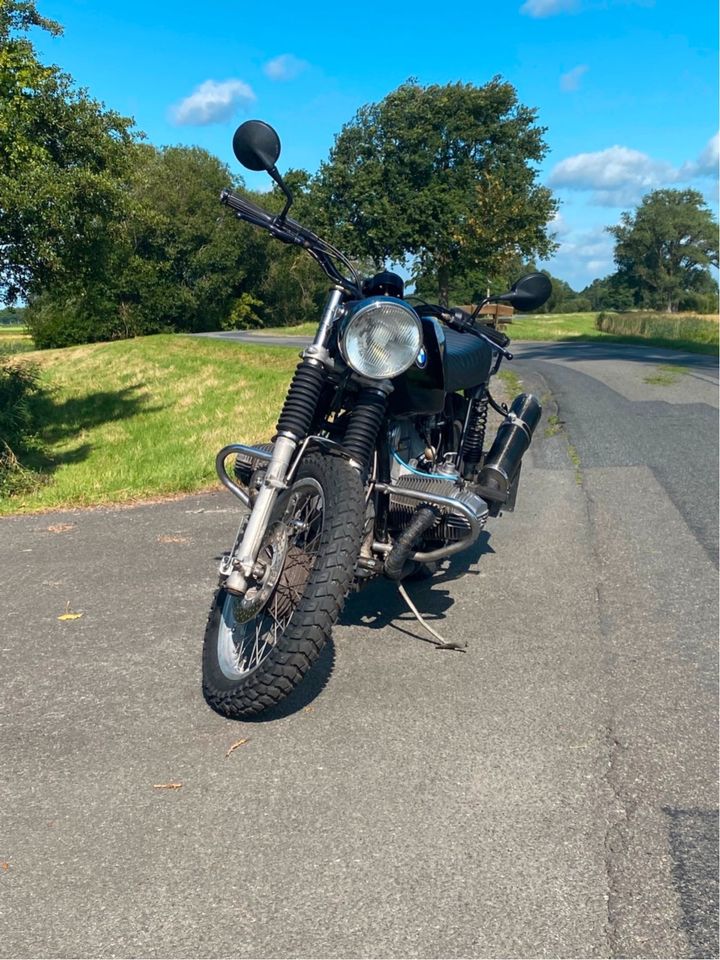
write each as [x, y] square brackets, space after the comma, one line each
[379, 465]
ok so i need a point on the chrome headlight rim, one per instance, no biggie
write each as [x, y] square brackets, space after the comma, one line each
[393, 321]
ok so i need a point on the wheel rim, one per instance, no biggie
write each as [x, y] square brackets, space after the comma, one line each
[243, 645]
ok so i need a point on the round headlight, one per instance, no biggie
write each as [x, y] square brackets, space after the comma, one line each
[381, 337]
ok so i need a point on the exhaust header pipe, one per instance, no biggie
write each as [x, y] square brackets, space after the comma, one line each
[512, 440]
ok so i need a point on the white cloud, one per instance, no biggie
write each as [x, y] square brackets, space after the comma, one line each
[548, 8]
[582, 256]
[706, 164]
[558, 225]
[284, 67]
[212, 102]
[571, 80]
[618, 175]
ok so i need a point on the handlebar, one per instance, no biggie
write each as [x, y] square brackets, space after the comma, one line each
[460, 319]
[290, 231]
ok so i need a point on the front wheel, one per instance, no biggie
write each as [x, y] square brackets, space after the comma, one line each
[253, 656]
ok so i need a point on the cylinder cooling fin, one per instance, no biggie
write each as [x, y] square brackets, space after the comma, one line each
[448, 525]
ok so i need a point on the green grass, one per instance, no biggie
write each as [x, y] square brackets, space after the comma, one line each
[144, 418]
[553, 326]
[675, 334]
[299, 330]
[15, 340]
[554, 425]
[663, 327]
[511, 381]
[667, 374]
[678, 333]
[575, 460]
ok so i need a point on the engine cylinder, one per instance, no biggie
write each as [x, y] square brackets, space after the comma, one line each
[512, 440]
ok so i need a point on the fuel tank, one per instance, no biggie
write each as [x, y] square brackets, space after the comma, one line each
[421, 389]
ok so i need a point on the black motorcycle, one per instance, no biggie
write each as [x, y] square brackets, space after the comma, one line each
[378, 466]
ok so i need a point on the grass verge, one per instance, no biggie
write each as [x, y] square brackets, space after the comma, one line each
[693, 334]
[143, 418]
[298, 330]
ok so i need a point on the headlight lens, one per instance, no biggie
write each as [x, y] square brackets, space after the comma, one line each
[381, 337]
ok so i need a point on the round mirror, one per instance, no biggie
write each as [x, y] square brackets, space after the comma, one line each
[529, 292]
[256, 145]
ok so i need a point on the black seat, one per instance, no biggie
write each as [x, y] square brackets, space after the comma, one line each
[467, 360]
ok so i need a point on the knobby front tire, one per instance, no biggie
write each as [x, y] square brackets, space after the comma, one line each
[293, 637]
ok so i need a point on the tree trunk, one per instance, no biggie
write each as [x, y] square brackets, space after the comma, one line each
[443, 284]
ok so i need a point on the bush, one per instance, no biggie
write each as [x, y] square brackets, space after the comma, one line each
[659, 326]
[243, 315]
[19, 383]
[54, 320]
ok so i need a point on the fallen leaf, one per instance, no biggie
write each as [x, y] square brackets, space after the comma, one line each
[166, 786]
[60, 527]
[308, 709]
[238, 743]
[69, 615]
[5, 865]
[166, 538]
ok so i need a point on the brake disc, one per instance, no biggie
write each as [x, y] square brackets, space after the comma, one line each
[272, 557]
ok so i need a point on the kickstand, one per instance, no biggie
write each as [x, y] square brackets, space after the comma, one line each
[441, 643]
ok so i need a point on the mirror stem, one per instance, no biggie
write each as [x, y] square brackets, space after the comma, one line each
[288, 196]
[479, 307]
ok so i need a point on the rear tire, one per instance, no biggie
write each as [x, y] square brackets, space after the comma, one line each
[310, 610]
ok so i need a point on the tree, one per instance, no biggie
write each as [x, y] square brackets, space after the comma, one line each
[177, 261]
[442, 173]
[62, 160]
[664, 249]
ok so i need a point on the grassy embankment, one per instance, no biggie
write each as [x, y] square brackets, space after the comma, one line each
[142, 418]
[136, 419]
[679, 332]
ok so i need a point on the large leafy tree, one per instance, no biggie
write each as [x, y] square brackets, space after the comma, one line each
[445, 174]
[62, 157]
[665, 248]
[178, 260]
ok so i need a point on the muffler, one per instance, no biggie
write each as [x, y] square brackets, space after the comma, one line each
[502, 461]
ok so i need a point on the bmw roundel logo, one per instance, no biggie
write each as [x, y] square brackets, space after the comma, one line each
[421, 359]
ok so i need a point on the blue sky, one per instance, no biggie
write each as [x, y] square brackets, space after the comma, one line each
[626, 88]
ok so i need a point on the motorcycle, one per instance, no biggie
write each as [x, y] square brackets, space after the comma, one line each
[378, 466]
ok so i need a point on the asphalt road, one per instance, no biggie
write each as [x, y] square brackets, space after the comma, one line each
[552, 792]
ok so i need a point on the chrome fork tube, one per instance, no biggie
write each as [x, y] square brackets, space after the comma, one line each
[245, 557]
[334, 298]
[273, 483]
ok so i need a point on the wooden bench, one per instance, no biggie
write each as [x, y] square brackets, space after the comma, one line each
[493, 313]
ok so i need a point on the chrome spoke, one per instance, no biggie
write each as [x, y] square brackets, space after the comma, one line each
[244, 646]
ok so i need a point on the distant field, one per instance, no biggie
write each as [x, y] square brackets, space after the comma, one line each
[579, 326]
[14, 340]
[141, 418]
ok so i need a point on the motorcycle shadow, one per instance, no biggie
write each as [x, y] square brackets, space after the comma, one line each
[377, 606]
[380, 604]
